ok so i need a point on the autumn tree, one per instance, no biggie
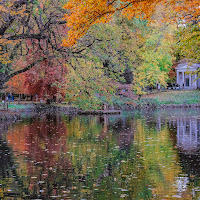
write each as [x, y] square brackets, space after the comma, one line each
[87, 85]
[30, 31]
[47, 80]
[157, 56]
[92, 79]
[34, 31]
[132, 50]
[150, 62]
[111, 48]
[41, 22]
[84, 13]
[187, 42]
[16, 84]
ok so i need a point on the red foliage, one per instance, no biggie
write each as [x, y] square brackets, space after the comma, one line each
[43, 145]
[46, 80]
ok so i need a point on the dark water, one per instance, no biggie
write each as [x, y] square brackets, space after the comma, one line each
[139, 155]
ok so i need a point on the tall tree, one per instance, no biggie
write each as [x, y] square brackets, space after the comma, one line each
[156, 59]
[31, 31]
[135, 48]
[87, 85]
[187, 42]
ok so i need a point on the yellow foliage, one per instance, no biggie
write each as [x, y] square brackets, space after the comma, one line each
[85, 82]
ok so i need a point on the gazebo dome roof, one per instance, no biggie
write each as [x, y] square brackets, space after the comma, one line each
[186, 65]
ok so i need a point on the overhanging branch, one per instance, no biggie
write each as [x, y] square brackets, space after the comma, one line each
[24, 69]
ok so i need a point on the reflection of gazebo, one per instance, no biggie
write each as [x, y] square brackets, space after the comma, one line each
[187, 81]
[188, 134]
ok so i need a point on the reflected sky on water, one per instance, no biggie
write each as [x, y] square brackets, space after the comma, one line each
[136, 155]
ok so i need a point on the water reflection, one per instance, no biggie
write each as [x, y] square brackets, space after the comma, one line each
[140, 155]
[188, 138]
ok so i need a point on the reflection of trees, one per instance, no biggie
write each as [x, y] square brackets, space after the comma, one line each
[42, 144]
[190, 164]
[9, 177]
[40, 140]
[99, 153]
[110, 160]
[184, 126]
[123, 128]
[110, 156]
[159, 159]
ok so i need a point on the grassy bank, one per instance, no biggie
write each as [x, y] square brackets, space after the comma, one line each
[173, 97]
[167, 98]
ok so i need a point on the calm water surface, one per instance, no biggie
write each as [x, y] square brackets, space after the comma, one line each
[135, 155]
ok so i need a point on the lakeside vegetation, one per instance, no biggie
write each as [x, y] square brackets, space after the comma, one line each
[182, 98]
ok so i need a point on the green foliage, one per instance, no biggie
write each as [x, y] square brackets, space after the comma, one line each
[123, 50]
[130, 46]
[156, 60]
[107, 50]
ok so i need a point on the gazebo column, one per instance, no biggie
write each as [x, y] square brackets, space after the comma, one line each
[177, 77]
[190, 80]
[195, 82]
[183, 76]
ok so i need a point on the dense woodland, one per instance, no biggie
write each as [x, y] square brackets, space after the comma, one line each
[80, 51]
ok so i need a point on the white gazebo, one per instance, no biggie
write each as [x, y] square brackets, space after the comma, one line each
[187, 80]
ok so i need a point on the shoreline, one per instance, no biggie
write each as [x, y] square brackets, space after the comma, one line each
[16, 113]
[9, 115]
[165, 106]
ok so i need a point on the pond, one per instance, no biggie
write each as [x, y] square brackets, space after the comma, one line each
[135, 155]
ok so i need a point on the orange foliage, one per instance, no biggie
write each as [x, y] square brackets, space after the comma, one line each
[16, 84]
[35, 140]
[189, 9]
[82, 14]
[41, 146]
